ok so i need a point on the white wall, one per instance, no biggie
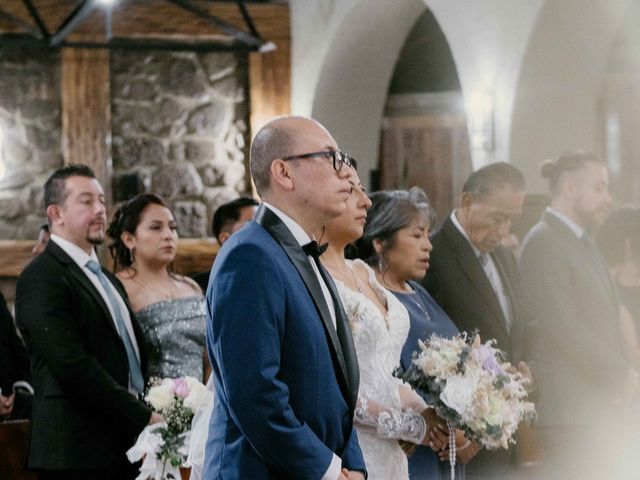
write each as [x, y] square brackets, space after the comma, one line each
[557, 95]
[541, 60]
[341, 77]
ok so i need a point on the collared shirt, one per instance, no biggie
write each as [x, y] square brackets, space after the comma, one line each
[575, 228]
[335, 467]
[80, 257]
[491, 271]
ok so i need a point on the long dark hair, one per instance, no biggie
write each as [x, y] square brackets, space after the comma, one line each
[127, 219]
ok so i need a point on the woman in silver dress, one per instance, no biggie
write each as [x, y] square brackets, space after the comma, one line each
[169, 307]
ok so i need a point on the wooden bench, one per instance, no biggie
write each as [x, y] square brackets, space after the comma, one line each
[14, 438]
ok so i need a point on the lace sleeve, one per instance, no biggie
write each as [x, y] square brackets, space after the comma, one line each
[410, 400]
[390, 423]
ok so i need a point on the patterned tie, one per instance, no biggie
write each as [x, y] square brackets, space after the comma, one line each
[137, 381]
[496, 285]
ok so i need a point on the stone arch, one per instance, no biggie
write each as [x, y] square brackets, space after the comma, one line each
[353, 80]
[345, 84]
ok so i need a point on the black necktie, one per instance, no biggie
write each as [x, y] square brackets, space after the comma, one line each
[312, 248]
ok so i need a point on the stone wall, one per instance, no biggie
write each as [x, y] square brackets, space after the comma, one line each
[29, 136]
[180, 121]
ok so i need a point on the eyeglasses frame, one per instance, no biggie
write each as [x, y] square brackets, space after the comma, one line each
[338, 156]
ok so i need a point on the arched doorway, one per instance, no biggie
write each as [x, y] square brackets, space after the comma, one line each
[424, 135]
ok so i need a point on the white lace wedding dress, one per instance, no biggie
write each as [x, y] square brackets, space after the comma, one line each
[387, 409]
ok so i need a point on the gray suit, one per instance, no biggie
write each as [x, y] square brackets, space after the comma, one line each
[573, 300]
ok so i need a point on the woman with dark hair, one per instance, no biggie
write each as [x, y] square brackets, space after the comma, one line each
[388, 413]
[169, 307]
[619, 241]
[396, 245]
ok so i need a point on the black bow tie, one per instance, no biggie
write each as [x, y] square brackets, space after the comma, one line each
[312, 248]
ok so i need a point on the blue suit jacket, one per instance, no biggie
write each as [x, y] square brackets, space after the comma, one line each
[285, 385]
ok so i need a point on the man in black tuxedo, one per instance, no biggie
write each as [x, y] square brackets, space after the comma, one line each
[86, 349]
[475, 279]
[584, 377]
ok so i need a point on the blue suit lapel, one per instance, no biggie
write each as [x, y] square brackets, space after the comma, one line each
[274, 226]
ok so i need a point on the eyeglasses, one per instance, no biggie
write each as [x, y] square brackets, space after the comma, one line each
[338, 156]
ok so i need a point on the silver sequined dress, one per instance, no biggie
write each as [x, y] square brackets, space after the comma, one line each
[175, 334]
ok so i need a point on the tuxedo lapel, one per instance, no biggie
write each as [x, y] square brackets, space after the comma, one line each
[75, 271]
[474, 272]
[272, 224]
[345, 338]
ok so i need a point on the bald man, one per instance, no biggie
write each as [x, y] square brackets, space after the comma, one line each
[284, 365]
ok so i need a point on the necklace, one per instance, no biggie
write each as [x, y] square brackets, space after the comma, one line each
[162, 291]
[355, 278]
[418, 303]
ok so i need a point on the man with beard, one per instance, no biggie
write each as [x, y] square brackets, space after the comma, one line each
[86, 350]
[584, 378]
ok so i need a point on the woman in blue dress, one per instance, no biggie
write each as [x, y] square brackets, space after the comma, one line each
[396, 245]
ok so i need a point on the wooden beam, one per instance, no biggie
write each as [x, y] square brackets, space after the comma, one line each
[194, 255]
[86, 111]
[140, 17]
[270, 84]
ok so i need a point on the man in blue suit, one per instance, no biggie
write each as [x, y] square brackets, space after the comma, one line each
[284, 365]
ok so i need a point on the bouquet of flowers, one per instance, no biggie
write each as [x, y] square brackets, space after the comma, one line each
[164, 446]
[471, 388]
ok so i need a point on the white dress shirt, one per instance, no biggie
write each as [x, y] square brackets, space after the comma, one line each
[80, 257]
[335, 468]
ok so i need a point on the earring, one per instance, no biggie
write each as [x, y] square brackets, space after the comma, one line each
[380, 264]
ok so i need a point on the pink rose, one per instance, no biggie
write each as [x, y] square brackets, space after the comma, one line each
[181, 388]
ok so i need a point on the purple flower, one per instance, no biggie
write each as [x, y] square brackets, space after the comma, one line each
[487, 358]
[181, 388]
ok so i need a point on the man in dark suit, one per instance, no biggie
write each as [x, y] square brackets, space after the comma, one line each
[584, 377]
[228, 219]
[87, 352]
[285, 371]
[475, 279]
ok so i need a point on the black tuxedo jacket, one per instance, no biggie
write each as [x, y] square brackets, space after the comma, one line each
[571, 295]
[14, 362]
[83, 417]
[457, 281]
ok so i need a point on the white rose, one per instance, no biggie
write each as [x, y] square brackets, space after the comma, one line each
[458, 393]
[198, 397]
[161, 396]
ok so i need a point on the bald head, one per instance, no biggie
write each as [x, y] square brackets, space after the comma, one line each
[277, 139]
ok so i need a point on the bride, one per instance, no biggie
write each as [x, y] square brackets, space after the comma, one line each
[388, 413]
